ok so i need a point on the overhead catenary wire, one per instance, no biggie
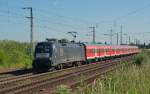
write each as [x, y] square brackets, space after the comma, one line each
[11, 21]
[12, 13]
[56, 23]
[85, 21]
[54, 15]
[39, 19]
[127, 15]
[45, 12]
[132, 12]
[66, 21]
[74, 19]
[64, 16]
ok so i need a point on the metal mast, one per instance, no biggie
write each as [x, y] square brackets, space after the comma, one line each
[93, 30]
[31, 29]
[121, 35]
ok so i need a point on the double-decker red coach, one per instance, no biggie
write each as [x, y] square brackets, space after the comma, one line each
[100, 52]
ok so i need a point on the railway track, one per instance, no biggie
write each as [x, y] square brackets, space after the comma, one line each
[10, 84]
[14, 73]
[10, 78]
[38, 82]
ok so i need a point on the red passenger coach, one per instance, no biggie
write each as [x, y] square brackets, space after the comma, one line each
[96, 52]
[91, 51]
[99, 52]
[107, 51]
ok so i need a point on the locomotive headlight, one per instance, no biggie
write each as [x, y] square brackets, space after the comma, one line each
[54, 47]
[50, 58]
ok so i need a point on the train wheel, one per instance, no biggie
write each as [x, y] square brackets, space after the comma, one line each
[76, 64]
[59, 67]
[52, 69]
[79, 63]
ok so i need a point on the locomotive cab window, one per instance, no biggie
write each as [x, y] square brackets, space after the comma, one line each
[44, 47]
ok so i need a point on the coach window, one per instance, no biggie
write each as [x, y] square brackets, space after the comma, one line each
[107, 50]
[93, 50]
[98, 50]
[103, 50]
[89, 51]
[116, 50]
[113, 50]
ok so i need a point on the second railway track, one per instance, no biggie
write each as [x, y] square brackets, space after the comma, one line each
[13, 74]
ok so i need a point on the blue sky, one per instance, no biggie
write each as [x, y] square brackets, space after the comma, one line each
[53, 18]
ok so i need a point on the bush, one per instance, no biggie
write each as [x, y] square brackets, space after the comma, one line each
[139, 59]
[14, 55]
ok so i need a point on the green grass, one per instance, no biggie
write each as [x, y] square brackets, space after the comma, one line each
[63, 89]
[14, 55]
[134, 79]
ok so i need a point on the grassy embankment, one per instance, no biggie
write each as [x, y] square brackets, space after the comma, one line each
[134, 79]
[14, 55]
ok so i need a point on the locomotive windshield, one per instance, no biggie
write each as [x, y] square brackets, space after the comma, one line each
[43, 49]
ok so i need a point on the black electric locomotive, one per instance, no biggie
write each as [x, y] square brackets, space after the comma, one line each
[57, 54]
